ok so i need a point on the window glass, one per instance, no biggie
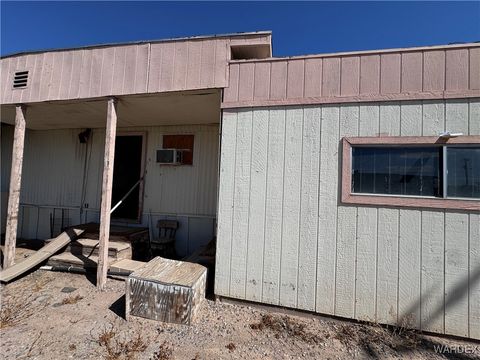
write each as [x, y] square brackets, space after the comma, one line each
[396, 170]
[463, 175]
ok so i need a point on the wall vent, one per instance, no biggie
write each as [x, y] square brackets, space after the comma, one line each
[20, 79]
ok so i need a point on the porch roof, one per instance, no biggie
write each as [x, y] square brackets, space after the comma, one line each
[175, 108]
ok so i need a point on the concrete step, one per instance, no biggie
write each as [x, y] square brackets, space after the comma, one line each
[87, 247]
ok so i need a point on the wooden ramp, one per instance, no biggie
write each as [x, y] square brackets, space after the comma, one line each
[41, 255]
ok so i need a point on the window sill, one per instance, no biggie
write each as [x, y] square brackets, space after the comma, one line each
[394, 200]
[407, 201]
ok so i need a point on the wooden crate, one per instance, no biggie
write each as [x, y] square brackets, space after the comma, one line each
[166, 290]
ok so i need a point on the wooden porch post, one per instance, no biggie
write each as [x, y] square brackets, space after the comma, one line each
[107, 181]
[15, 183]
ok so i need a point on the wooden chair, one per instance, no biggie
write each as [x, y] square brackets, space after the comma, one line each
[165, 243]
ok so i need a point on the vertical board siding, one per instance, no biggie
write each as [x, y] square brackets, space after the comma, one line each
[273, 206]
[76, 179]
[387, 266]
[474, 277]
[256, 229]
[346, 233]
[307, 270]
[456, 273]
[291, 207]
[118, 70]
[410, 267]
[241, 199]
[427, 73]
[327, 222]
[226, 204]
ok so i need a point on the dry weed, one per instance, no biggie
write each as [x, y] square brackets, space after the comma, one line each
[15, 310]
[72, 299]
[164, 352]
[374, 337]
[120, 349]
[231, 347]
[287, 327]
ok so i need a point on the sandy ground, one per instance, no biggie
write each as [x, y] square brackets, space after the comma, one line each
[40, 320]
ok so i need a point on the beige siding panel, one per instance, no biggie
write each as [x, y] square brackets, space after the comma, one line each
[331, 77]
[5, 78]
[350, 84]
[474, 68]
[474, 277]
[295, 79]
[366, 251]
[456, 273]
[456, 116]
[96, 73]
[207, 75]
[118, 70]
[75, 77]
[411, 121]
[274, 207]
[167, 65]
[409, 268]
[412, 72]
[433, 122]
[474, 117]
[141, 71]
[390, 80]
[370, 74]
[369, 121]
[390, 119]
[433, 243]
[262, 81]
[346, 232]
[313, 77]
[246, 80]
[221, 55]
[278, 87]
[225, 204]
[85, 73]
[387, 266]
[180, 68]
[155, 68]
[241, 200]
[291, 207]
[256, 221]
[366, 264]
[456, 73]
[327, 224]
[194, 66]
[309, 209]
[379, 264]
[231, 92]
[108, 65]
[434, 70]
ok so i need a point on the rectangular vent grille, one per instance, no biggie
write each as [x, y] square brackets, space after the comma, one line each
[20, 80]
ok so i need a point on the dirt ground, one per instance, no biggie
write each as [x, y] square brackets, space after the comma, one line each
[48, 315]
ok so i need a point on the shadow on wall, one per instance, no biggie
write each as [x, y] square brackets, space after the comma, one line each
[461, 290]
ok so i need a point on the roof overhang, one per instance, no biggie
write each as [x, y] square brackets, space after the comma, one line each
[177, 108]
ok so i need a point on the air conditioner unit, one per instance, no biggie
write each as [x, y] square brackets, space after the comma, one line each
[169, 156]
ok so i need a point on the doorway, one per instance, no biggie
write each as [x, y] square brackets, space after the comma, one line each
[127, 171]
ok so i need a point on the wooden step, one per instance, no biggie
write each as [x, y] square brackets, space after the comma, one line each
[87, 247]
[69, 259]
[127, 265]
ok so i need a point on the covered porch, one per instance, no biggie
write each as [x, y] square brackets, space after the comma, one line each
[65, 161]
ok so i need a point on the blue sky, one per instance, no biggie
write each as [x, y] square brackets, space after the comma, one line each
[298, 27]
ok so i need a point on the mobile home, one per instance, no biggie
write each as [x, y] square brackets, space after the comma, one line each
[345, 184]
